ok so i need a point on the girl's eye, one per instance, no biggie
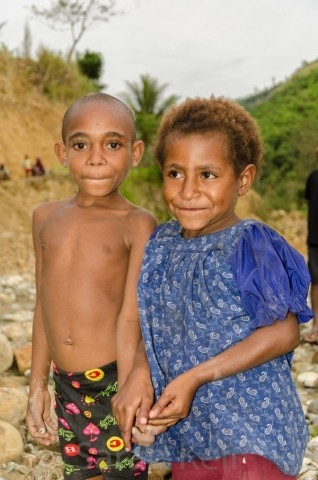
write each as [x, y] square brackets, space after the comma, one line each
[208, 174]
[173, 174]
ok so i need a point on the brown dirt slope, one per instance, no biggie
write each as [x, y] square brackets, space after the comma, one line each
[30, 124]
[18, 198]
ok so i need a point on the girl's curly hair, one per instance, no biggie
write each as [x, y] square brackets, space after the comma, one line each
[205, 116]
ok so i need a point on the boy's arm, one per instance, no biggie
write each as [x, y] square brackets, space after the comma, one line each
[38, 416]
[135, 388]
[128, 327]
[134, 399]
[263, 345]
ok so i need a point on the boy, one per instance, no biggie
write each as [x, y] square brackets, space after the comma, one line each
[88, 253]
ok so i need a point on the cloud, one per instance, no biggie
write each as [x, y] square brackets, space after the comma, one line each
[199, 47]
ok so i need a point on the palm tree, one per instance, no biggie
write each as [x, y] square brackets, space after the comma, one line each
[147, 102]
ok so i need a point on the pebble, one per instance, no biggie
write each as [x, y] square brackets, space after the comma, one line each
[21, 459]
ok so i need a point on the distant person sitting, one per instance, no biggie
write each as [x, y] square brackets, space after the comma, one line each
[27, 165]
[4, 172]
[38, 168]
[311, 195]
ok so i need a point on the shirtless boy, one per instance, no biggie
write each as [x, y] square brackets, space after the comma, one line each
[88, 253]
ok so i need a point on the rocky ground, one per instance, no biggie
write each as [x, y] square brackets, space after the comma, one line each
[20, 458]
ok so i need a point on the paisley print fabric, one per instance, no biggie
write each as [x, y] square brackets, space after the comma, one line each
[199, 296]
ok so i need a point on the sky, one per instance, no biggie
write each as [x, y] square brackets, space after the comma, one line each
[231, 48]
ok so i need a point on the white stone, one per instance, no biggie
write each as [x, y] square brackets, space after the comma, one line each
[7, 298]
[6, 354]
[21, 316]
[13, 405]
[11, 442]
[11, 280]
[18, 332]
[308, 379]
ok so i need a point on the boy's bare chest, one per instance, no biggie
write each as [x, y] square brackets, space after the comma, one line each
[83, 234]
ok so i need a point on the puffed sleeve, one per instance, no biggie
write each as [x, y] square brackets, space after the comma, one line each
[272, 277]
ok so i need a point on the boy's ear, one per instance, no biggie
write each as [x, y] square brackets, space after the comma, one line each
[138, 149]
[246, 179]
[60, 152]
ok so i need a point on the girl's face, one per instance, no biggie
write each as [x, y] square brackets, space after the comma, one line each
[200, 187]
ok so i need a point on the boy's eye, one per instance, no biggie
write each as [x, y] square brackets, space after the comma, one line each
[79, 145]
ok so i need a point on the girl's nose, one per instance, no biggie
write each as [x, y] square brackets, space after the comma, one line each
[189, 189]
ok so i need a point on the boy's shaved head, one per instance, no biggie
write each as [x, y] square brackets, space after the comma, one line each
[99, 97]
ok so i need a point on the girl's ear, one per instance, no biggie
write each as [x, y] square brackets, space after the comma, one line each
[60, 152]
[246, 179]
[137, 152]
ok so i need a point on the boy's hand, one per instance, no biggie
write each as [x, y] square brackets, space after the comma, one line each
[135, 395]
[39, 419]
[147, 436]
[175, 401]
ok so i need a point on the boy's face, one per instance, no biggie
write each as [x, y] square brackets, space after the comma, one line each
[99, 149]
[200, 187]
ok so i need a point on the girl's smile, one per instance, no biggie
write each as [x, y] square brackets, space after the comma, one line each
[200, 187]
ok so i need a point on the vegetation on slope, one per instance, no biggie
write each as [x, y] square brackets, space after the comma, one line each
[288, 119]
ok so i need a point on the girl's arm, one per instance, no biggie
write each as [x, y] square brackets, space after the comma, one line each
[263, 345]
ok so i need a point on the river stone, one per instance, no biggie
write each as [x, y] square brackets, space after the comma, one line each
[313, 406]
[23, 357]
[6, 353]
[308, 379]
[18, 332]
[11, 442]
[13, 381]
[13, 404]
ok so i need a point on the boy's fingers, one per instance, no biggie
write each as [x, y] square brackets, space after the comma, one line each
[125, 429]
[143, 413]
[51, 423]
[35, 426]
[143, 438]
[156, 429]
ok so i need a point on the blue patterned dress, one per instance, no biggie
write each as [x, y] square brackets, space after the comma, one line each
[199, 296]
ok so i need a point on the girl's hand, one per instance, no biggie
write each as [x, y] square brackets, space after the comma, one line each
[175, 401]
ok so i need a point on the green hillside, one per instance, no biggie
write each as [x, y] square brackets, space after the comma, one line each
[288, 119]
[34, 93]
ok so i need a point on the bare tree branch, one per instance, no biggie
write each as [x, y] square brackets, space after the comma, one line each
[77, 16]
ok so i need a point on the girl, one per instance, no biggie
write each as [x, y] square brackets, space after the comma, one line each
[220, 300]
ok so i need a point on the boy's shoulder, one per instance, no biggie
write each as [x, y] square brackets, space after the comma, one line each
[138, 226]
[139, 217]
[46, 209]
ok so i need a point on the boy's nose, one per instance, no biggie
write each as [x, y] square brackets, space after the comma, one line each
[97, 157]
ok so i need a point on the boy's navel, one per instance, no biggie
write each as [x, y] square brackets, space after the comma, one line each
[68, 341]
